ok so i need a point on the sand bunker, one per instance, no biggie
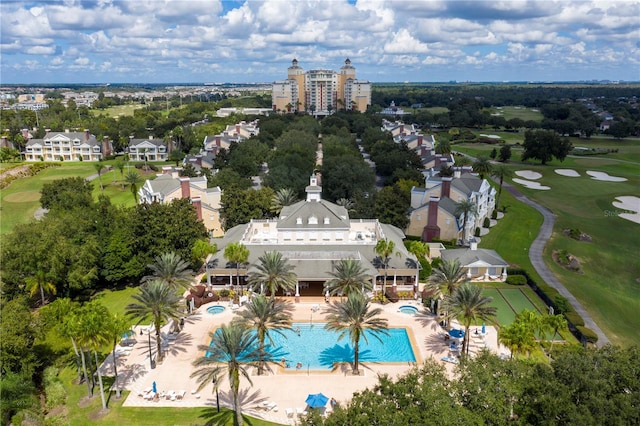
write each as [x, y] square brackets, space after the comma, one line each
[604, 176]
[567, 172]
[531, 185]
[528, 174]
[631, 205]
[490, 136]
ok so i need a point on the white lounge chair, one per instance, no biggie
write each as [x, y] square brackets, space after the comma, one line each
[289, 412]
[301, 411]
[180, 394]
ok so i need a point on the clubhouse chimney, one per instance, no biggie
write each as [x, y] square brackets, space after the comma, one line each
[445, 190]
[432, 230]
[197, 203]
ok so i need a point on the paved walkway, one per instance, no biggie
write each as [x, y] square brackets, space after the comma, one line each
[535, 255]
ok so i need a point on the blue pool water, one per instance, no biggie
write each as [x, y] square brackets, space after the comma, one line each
[317, 349]
[406, 309]
[215, 309]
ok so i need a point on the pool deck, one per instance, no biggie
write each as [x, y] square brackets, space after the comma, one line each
[287, 389]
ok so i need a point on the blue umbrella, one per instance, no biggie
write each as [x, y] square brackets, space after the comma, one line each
[316, 400]
[456, 333]
[484, 330]
[154, 388]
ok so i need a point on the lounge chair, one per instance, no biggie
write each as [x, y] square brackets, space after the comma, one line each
[301, 411]
[171, 395]
[289, 412]
[180, 394]
[150, 396]
[268, 406]
[449, 359]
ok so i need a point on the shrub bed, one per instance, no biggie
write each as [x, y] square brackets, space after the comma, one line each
[516, 279]
[589, 335]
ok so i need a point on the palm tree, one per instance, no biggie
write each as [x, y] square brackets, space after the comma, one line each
[354, 317]
[465, 208]
[233, 348]
[281, 198]
[482, 166]
[469, 306]
[62, 312]
[40, 282]
[171, 268]
[347, 204]
[500, 172]
[273, 272]
[120, 166]
[443, 147]
[156, 299]
[518, 337]
[237, 254]
[534, 320]
[556, 323]
[348, 277]
[266, 315]
[98, 167]
[93, 336]
[385, 248]
[447, 276]
[113, 328]
[134, 180]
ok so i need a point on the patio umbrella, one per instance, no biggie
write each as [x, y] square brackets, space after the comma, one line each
[484, 329]
[316, 400]
[456, 333]
[154, 387]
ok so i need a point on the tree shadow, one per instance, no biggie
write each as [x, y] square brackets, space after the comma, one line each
[246, 397]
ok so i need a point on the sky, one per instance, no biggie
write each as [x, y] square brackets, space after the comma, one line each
[245, 41]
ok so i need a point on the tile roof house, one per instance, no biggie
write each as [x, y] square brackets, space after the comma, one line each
[312, 235]
[433, 207]
[169, 186]
[67, 146]
[236, 133]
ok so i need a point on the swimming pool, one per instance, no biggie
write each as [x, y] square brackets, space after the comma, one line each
[317, 349]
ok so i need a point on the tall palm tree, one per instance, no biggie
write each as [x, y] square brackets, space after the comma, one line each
[281, 198]
[385, 248]
[447, 276]
[120, 166]
[237, 254]
[500, 172]
[273, 272]
[353, 317]
[348, 277]
[555, 323]
[93, 336]
[482, 166]
[40, 282]
[61, 311]
[171, 268]
[469, 306]
[266, 315]
[158, 301]
[134, 180]
[113, 327]
[518, 337]
[98, 167]
[466, 208]
[233, 348]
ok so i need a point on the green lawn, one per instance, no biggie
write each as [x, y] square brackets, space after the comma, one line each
[607, 286]
[521, 112]
[118, 110]
[504, 313]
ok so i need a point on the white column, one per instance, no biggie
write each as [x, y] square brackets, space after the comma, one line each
[297, 289]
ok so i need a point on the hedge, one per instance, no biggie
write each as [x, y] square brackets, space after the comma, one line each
[574, 318]
[588, 334]
[516, 279]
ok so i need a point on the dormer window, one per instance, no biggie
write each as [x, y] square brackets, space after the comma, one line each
[313, 220]
[326, 220]
[299, 221]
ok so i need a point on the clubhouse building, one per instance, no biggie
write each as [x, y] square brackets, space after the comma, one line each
[313, 235]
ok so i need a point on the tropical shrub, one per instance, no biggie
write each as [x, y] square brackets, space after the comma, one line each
[588, 334]
[574, 318]
[486, 222]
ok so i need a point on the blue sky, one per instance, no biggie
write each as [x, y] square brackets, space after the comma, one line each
[181, 41]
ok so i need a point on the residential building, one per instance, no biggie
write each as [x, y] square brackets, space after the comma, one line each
[433, 208]
[320, 91]
[66, 146]
[232, 133]
[150, 149]
[169, 186]
[313, 235]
